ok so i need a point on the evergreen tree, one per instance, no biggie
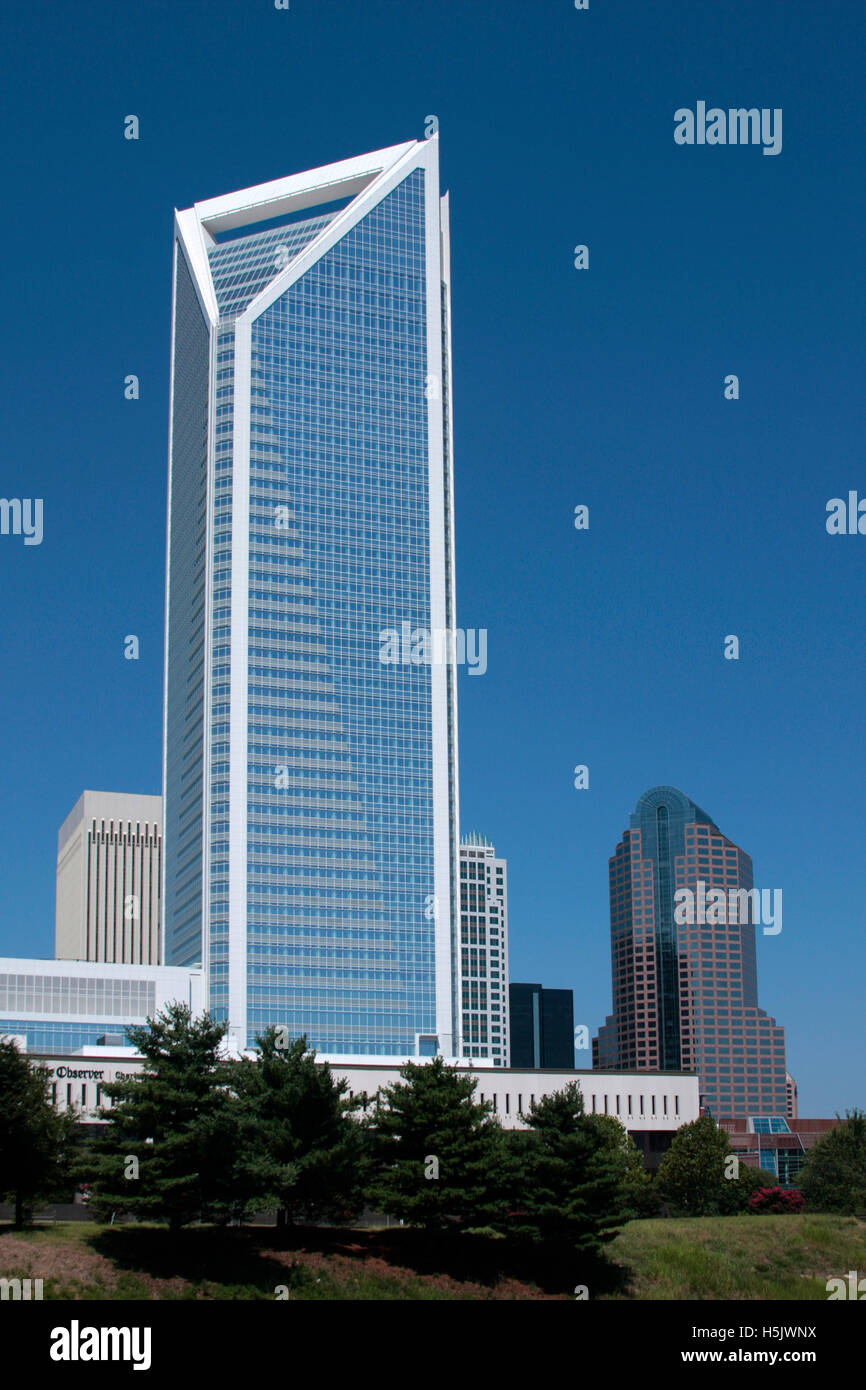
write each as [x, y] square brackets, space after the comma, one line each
[833, 1176]
[36, 1142]
[691, 1176]
[634, 1180]
[573, 1180]
[302, 1150]
[440, 1153]
[171, 1148]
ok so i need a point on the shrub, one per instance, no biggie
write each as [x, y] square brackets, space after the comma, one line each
[737, 1191]
[776, 1199]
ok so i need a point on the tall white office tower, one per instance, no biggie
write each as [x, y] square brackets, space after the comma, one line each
[310, 775]
[109, 852]
[484, 951]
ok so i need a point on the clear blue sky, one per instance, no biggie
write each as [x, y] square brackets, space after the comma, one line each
[603, 387]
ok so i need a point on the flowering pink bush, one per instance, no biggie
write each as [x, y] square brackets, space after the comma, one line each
[781, 1199]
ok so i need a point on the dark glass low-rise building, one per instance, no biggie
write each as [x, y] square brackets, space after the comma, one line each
[542, 1026]
[775, 1143]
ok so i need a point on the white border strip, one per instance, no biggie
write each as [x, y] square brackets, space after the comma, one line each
[451, 669]
[239, 687]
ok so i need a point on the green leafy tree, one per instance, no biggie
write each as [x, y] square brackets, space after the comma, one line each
[691, 1176]
[573, 1182]
[833, 1176]
[303, 1152]
[37, 1144]
[736, 1192]
[439, 1153]
[171, 1150]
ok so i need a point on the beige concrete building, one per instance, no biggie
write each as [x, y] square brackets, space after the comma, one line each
[109, 852]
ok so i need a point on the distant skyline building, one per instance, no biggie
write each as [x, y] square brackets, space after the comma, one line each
[685, 994]
[52, 1005]
[109, 862]
[484, 951]
[777, 1143]
[310, 782]
[542, 1026]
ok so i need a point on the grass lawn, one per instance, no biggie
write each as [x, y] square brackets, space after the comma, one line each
[735, 1257]
[738, 1257]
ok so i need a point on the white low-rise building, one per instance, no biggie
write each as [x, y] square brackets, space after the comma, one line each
[644, 1102]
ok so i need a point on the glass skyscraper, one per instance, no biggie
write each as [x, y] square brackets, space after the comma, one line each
[310, 785]
[685, 986]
